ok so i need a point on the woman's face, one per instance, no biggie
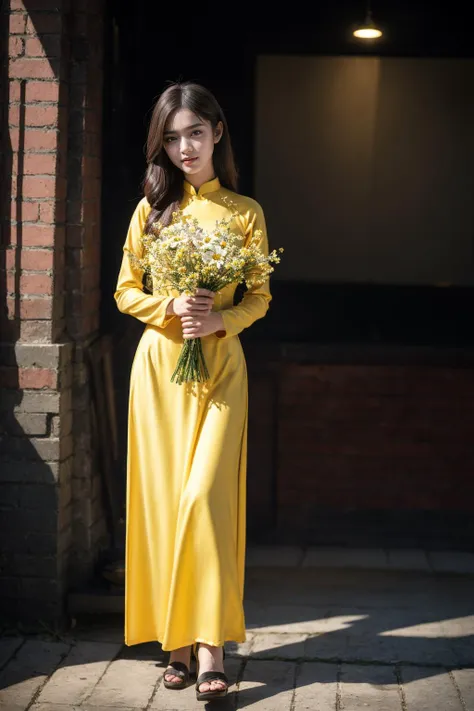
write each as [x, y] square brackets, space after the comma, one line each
[189, 143]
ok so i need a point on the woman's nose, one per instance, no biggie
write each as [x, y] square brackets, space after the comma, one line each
[185, 145]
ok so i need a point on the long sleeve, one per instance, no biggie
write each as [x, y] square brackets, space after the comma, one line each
[256, 300]
[129, 295]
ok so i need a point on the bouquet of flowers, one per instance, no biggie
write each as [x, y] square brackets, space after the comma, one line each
[186, 257]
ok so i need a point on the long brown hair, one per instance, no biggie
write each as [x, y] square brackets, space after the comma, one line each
[163, 182]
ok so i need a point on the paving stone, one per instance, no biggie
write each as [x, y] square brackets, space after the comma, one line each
[185, 700]
[27, 671]
[373, 687]
[458, 627]
[242, 649]
[283, 646]
[8, 647]
[274, 556]
[392, 649]
[294, 619]
[460, 635]
[401, 626]
[365, 558]
[454, 634]
[103, 631]
[85, 707]
[267, 686]
[316, 687]
[335, 622]
[342, 588]
[78, 674]
[408, 559]
[426, 689]
[463, 650]
[464, 680]
[327, 647]
[373, 647]
[451, 562]
[127, 682]
[145, 650]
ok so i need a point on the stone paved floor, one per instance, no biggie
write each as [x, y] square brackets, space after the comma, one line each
[318, 639]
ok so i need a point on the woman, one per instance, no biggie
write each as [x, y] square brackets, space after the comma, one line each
[186, 481]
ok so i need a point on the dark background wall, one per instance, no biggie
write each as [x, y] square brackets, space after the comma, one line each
[378, 153]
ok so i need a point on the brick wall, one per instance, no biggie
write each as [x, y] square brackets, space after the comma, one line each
[379, 450]
[52, 518]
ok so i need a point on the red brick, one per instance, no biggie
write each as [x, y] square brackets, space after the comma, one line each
[10, 280]
[15, 91]
[44, 23]
[14, 165]
[93, 167]
[14, 135]
[40, 164]
[38, 140]
[92, 189]
[36, 284]
[37, 259]
[30, 378]
[52, 212]
[26, 68]
[37, 378]
[36, 331]
[37, 235]
[47, 212]
[34, 187]
[13, 307]
[16, 46]
[33, 308]
[76, 211]
[61, 187]
[28, 211]
[41, 115]
[75, 235]
[10, 258]
[36, 47]
[14, 114]
[42, 91]
[17, 23]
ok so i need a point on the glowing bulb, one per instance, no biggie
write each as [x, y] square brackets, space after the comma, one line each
[367, 33]
[368, 30]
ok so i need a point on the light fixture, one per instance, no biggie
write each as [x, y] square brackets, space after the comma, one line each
[369, 29]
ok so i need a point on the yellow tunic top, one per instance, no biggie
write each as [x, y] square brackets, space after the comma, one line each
[187, 451]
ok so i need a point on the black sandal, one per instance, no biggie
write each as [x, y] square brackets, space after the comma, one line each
[176, 669]
[211, 676]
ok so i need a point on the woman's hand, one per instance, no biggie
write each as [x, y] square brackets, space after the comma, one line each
[198, 305]
[197, 326]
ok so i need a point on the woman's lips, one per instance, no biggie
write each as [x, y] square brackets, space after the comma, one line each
[188, 161]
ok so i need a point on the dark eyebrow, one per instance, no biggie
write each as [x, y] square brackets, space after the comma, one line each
[188, 128]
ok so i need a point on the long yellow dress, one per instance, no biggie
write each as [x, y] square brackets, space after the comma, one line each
[187, 451]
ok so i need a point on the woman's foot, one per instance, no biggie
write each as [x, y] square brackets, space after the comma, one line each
[211, 659]
[183, 655]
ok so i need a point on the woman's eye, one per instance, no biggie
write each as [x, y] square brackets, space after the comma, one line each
[169, 139]
[197, 132]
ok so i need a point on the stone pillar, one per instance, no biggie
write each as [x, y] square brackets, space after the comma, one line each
[52, 519]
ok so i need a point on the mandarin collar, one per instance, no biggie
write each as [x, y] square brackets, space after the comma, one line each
[209, 187]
